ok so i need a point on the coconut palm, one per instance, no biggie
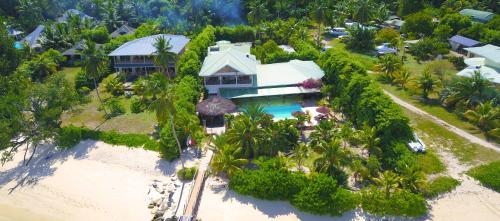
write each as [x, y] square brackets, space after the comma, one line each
[163, 56]
[299, 154]
[369, 140]
[247, 134]
[388, 65]
[427, 83]
[95, 63]
[319, 13]
[363, 11]
[332, 157]
[254, 111]
[323, 132]
[389, 182]
[468, 92]
[412, 178]
[226, 159]
[281, 5]
[402, 77]
[257, 13]
[485, 116]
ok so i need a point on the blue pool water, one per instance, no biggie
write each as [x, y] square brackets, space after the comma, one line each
[18, 45]
[282, 111]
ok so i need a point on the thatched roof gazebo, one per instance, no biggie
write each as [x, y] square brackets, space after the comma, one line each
[214, 108]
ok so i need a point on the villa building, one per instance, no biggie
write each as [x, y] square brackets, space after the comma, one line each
[486, 60]
[232, 72]
[458, 43]
[477, 15]
[123, 30]
[136, 57]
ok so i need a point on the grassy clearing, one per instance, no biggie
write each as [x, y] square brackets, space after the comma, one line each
[437, 137]
[440, 185]
[365, 60]
[70, 73]
[430, 162]
[90, 116]
[488, 175]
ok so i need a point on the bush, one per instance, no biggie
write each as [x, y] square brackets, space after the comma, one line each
[268, 184]
[322, 196]
[187, 173]
[113, 108]
[488, 175]
[400, 203]
[238, 33]
[168, 145]
[136, 105]
[440, 185]
[71, 135]
[458, 62]
[81, 80]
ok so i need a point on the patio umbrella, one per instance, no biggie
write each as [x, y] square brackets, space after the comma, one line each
[215, 106]
[323, 110]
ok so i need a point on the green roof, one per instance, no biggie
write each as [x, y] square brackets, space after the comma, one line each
[232, 58]
[287, 73]
[482, 16]
[490, 52]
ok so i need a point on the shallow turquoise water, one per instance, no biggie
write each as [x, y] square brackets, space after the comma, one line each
[18, 45]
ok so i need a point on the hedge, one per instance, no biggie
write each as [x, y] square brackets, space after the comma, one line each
[440, 185]
[70, 136]
[187, 173]
[400, 203]
[488, 175]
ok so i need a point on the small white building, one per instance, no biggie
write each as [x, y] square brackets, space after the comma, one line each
[486, 60]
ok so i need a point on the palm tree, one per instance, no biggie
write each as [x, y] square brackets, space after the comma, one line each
[163, 56]
[300, 153]
[323, 132]
[388, 65]
[247, 134]
[332, 157]
[369, 139]
[485, 116]
[389, 182]
[226, 159]
[257, 13]
[254, 111]
[427, 83]
[402, 77]
[319, 13]
[363, 11]
[95, 64]
[281, 5]
[412, 178]
[469, 91]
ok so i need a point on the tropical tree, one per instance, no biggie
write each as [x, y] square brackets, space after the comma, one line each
[299, 154]
[388, 65]
[363, 11]
[95, 64]
[402, 78]
[226, 159]
[280, 6]
[163, 57]
[487, 117]
[257, 13]
[245, 133]
[332, 158]
[369, 140]
[319, 13]
[254, 111]
[427, 83]
[412, 178]
[468, 92]
[323, 132]
[389, 182]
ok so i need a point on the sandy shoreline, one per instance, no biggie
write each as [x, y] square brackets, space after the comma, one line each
[92, 181]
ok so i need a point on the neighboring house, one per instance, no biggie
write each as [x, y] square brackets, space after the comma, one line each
[16, 34]
[123, 30]
[33, 39]
[74, 54]
[458, 43]
[73, 12]
[478, 16]
[486, 60]
[233, 72]
[385, 48]
[394, 22]
[287, 48]
[136, 57]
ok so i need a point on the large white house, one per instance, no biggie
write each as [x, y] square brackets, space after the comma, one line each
[486, 60]
[232, 72]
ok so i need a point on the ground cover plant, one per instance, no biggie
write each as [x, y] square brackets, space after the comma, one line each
[488, 175]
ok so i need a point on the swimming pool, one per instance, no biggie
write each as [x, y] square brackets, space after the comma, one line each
[282, 111]
[18, 45]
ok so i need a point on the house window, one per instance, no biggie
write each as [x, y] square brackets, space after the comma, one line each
[212, 81]
[124, 58]
[244, 79]
[228, 79]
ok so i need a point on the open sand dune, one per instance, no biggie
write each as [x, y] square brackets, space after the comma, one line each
[92, 181]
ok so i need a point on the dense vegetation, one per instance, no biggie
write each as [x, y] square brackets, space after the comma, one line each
[488, 175]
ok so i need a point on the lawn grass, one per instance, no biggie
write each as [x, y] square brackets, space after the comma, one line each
[90, 116]
[365, 60]
[430, 162]
[440, 185]
[488, 175]
[437, 137]
[70, 73]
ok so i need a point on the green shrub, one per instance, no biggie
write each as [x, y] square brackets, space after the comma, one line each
[268, 184]
[400, 203]
[440, 185]
[113, 108]
[84, 90]
[136, 105]
[488, 175]
[187, 173]
[168, 146]
[69, 136]
[322, 196]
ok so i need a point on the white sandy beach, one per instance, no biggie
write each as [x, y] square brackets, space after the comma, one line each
[92, 181]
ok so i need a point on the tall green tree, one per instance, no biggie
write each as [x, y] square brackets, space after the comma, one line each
[487, 117]
[163, 57]
[246, 133]
[389, 182]
[319, 13]
[227, 157]
[427, 84]
[332, 159]
[95, 65]
[468, 92]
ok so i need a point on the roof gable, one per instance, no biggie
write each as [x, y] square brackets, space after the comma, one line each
[490, 52]
[234, 59]
[123, 30]
[464, 41]
[145, 46]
